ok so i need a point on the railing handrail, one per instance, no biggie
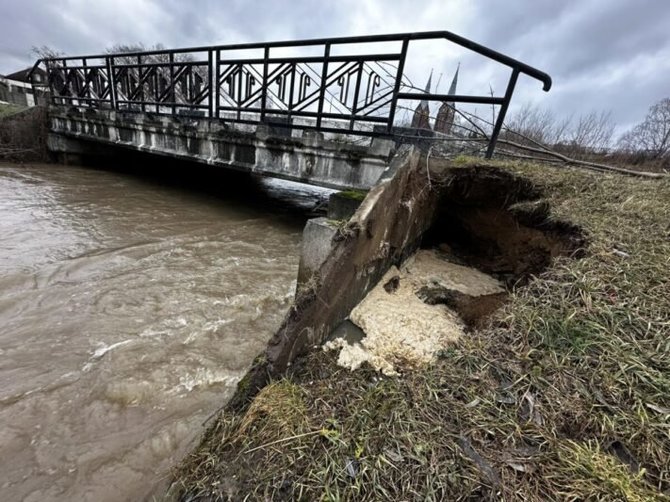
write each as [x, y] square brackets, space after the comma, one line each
[396, 37]
[124, 85]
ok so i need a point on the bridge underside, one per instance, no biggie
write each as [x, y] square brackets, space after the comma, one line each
[308, 158]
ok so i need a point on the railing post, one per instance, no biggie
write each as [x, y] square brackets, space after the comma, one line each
[139, 82]
[215, 90]
[290, 94]
[67, 84]
[503, 111]
[85, 91]
[210, 82]
[240, 90]
[173, 92]
[398, 82]
[112, 82]
[322, 91]
[265, 84]
[357, 90]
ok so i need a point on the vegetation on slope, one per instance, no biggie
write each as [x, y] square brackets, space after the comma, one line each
[563, 395]
[9, 109]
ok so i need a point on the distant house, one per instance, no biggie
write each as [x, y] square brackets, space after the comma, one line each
[16, 88]
[39, 76]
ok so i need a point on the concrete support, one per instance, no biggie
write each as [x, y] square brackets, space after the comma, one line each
[385, 229]
[317, 240]
[343, 205]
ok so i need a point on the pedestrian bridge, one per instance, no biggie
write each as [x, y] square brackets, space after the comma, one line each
[321, 111]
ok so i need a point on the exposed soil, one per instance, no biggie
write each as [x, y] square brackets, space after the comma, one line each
[498, 223]
[478, 242]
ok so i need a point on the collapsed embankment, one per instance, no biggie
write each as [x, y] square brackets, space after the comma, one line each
[560, 393]
[485, 217]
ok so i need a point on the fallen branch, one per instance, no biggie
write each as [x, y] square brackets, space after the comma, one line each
[581, 163]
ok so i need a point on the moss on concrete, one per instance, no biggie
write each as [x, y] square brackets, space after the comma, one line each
[358, 195]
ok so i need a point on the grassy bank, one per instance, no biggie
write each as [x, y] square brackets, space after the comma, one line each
[563, 395]
[23, 134]
[9, 109]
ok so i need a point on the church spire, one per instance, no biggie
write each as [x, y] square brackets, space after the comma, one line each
[421, 117]
[444, 121]
[428, 84]
[454, 82]
[424, 102]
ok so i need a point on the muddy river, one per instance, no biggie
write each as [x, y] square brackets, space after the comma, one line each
[130, 306]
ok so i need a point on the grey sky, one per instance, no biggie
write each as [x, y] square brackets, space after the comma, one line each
[602, 54]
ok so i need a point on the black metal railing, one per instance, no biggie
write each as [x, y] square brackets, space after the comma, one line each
[334, 90]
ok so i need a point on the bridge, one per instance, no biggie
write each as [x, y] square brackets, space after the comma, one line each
[320, 111]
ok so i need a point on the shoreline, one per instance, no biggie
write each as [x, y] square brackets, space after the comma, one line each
[501, 412]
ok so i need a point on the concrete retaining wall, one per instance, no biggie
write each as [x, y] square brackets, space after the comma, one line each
[385, 230]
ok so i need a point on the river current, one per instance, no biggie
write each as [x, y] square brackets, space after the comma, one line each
[130, 307]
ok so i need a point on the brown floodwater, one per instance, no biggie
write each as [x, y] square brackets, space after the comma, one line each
[130, 307]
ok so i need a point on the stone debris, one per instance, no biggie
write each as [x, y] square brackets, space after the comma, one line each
[402, 332]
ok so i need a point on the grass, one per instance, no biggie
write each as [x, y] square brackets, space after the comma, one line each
[565, 395]
[9, 109]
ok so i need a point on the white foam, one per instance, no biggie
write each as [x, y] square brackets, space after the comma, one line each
[101, 351]
[205, 377]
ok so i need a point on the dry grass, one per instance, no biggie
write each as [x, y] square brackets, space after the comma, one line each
[9, 109]
[564, 396]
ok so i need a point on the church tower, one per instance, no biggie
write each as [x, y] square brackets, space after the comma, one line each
[421, 118]
[444, 122]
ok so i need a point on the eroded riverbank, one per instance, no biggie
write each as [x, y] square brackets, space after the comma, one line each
[557, 393]
[129, 311]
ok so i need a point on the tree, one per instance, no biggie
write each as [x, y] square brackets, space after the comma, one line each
[45, 52]
[537, 124]
[149, 58]
[652, 136]
[582, 137]
[592, 133]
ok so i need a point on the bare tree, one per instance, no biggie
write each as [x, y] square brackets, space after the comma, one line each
[538, 124]
[592, 133]
[45, 52]
[148, 58]
[588, 135]
[652, 136]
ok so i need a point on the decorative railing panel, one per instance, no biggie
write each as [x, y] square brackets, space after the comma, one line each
[332, 90]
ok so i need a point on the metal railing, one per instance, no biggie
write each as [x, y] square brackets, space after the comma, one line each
[335, 90]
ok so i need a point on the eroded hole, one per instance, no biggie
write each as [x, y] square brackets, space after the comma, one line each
[498, 224]
[490, 233]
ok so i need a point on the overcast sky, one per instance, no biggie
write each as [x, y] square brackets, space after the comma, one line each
[601, 54]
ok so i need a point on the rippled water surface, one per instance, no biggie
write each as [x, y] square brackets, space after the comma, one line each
[129, 309]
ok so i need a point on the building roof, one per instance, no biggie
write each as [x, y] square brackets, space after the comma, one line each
[22, 75]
